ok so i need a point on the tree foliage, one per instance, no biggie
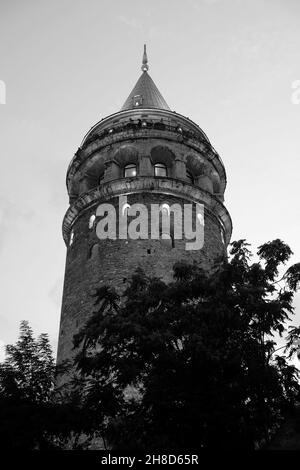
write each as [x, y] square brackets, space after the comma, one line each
[193, 363]
[31, 415]
[28, 370]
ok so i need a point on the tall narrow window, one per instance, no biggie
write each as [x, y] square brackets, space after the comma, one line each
[125, 208]
[71, 238]
[91, 221]
[222, 237]
[189, 177]
[160, 169]
[130, 170]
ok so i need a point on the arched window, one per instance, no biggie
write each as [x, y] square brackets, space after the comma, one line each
[165, 208]
[160, 169]
[222, 237]
[189, 177]
[130, 170]
[71, 238]
[125, 208]
[91, 221]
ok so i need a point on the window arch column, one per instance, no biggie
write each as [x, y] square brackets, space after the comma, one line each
[112, 171]
[145, 166]
[179, 169]
[204, 182]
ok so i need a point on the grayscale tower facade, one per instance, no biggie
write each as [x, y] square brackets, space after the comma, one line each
[149, 154]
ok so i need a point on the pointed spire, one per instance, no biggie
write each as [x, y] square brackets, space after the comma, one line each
[145, 94]
[145, 66]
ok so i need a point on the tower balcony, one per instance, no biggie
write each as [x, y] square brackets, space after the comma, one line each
[144, 130]
[152, 185]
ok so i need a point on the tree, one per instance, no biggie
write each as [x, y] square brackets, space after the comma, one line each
[28, 372]
[31, 415]
[192, 364]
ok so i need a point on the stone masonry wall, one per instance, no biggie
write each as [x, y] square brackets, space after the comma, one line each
[92, 262]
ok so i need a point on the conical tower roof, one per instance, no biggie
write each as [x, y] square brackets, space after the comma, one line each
[145, 93]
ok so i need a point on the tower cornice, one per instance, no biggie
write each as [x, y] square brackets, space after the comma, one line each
[113, 119]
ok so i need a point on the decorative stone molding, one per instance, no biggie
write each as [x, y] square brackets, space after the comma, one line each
[101, 139]
[140, 184]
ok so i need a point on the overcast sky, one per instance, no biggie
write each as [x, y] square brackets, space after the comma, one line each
[229, 65]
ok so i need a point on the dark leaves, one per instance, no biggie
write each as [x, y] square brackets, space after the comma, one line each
[292, 276]
[274, 253]
[32, 415]
[191, 363]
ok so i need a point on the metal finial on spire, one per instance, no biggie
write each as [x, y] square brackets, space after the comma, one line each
[145, 65]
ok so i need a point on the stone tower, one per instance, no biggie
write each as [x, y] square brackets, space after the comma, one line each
[151, 155]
